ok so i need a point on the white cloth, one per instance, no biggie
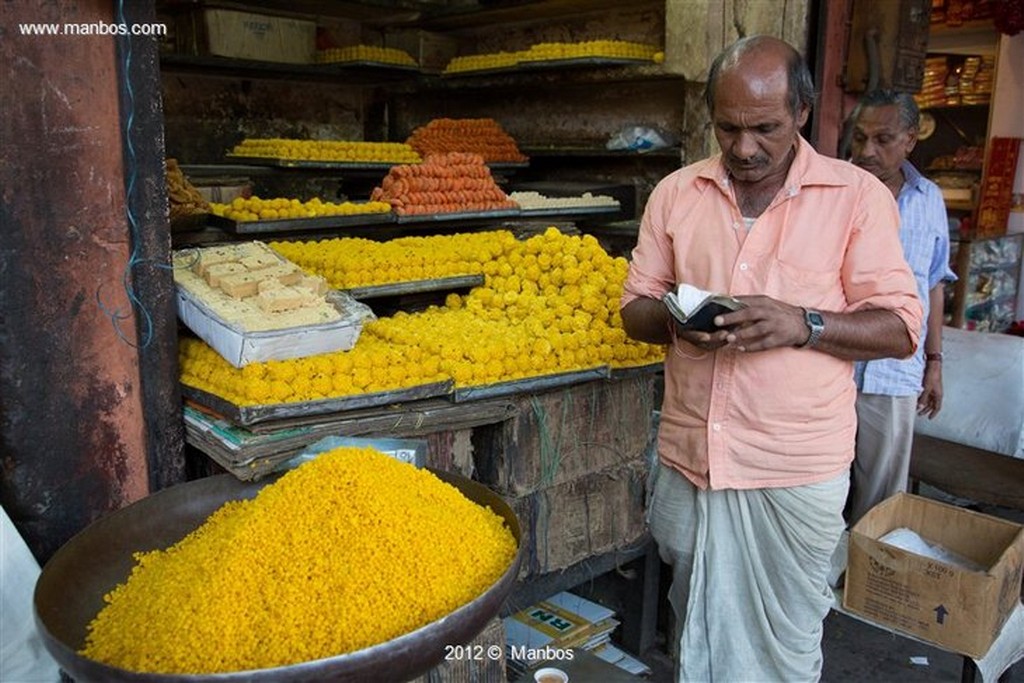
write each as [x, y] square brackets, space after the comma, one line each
[23, 658]
[982, 392]
[885, 435]
[749, 569]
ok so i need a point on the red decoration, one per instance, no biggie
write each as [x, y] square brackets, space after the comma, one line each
[1008, 16]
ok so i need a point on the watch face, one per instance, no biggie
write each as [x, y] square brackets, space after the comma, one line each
[815, 318]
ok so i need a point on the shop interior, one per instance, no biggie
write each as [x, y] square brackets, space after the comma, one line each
[415, 175]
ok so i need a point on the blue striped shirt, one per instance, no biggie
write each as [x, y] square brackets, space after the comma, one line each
[924, 234]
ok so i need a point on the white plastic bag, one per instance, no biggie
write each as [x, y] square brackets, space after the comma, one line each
[641, 139]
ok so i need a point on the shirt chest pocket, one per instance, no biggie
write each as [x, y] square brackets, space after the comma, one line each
[803, 286]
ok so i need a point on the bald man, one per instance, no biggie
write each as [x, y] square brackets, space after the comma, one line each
[758, 423]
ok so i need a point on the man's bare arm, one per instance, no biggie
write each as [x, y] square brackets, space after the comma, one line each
[862, 335]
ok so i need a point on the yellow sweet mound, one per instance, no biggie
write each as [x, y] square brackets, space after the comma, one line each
[348, 550]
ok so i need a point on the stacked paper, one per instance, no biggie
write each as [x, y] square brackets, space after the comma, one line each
[547, 630]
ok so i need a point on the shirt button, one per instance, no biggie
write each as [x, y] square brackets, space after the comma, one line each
[717, 427]
[743, 266]
[735, 225]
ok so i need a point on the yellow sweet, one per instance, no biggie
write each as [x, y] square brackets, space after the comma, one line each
[549, 304]
[327, 150]
[256, 208]
[325, 561]
[365, 53]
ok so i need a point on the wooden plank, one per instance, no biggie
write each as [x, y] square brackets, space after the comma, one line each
[560, 436]
[689, 52]
[968, 472]
[576, 520]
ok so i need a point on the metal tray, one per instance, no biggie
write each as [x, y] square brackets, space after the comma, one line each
[299, 224]
[366, 63]
[635, 370]
[250, 415]
[313, 164]
[415, 287]
[550, 64]
[570, 211]
[456, 215]
[581, 61]
[529, 385]
[70, 590]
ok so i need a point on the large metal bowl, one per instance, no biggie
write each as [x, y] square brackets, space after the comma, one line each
[71, 587]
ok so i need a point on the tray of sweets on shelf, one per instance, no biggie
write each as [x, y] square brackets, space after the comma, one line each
[455, 215]
[623, 371]
[573, 62]
[315, 164]
[568, 211]
[415, 287]
[528, 384]
[249, 415]
[300, 224]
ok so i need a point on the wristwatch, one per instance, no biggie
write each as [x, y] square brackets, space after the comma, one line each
[816, 323]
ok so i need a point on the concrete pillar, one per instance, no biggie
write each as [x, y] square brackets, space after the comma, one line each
[73, 418]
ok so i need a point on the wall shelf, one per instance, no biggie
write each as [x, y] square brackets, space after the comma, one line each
[970, 38]
[356, 74]
[491, 13]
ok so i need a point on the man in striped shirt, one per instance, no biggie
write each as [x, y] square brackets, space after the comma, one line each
[889, 391]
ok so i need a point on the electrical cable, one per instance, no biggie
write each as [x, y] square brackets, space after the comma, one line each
[131, 168]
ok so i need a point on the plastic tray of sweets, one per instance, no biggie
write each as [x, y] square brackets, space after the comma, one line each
[250, 415]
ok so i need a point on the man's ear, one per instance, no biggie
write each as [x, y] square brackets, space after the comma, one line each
[802, 116]
[911, 140]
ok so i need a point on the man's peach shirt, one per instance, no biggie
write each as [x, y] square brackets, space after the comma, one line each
[829, 241]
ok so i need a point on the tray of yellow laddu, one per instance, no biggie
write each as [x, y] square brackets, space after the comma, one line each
[251, 305]
[319, 573]
[255, 414]
[529, 384]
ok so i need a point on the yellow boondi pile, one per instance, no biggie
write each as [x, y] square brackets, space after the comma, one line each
[348, 550]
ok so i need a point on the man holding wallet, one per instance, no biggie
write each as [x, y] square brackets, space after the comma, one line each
[757, 425]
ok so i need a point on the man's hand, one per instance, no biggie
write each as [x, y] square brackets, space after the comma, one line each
[929, 401]
[765, 323]
[706, 341]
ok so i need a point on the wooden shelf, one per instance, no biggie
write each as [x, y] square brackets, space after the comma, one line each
[461, 18]
[543, 151]
[357, 74]
[959, 205]
[956, 106]
[569, 76]
[971, 38]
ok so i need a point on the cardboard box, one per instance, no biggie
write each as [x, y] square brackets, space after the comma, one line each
[432, 51]
[247, 35]
[954, 608]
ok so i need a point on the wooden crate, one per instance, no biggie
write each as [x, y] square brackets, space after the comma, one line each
[577, 519]
[561, 435]
[474, 663]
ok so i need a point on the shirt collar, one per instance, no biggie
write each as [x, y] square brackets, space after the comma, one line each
[808, 168]
[912, 177]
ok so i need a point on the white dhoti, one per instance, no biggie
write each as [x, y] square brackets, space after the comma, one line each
[749, 575]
